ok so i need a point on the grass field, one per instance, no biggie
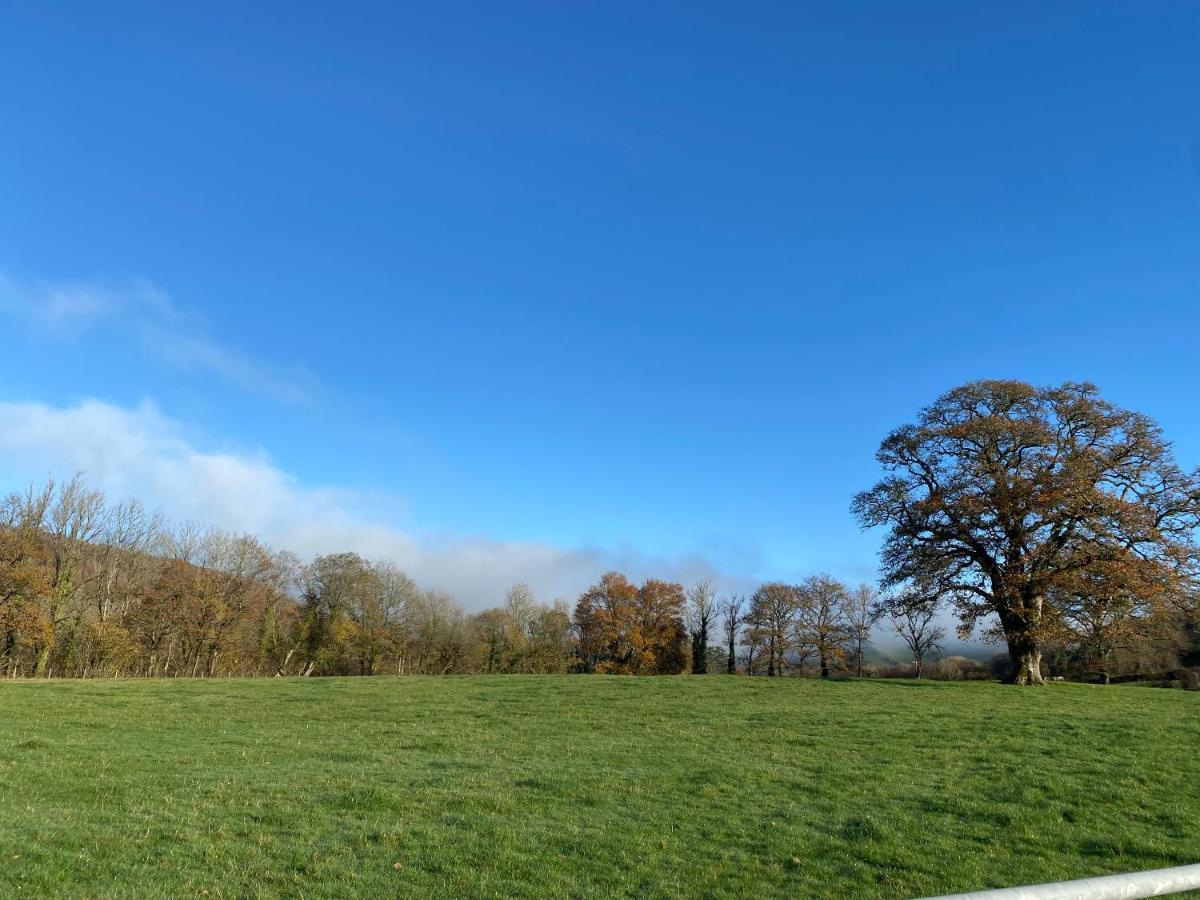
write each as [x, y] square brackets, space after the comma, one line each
[586, 786]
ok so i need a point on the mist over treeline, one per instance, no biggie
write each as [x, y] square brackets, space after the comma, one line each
[91, 587]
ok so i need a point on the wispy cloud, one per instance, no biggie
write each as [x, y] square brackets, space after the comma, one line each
[146, 313]
[140, 452]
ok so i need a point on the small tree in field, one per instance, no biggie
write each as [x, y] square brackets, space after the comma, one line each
[1004, 497]
[913, 617]
[862, 613]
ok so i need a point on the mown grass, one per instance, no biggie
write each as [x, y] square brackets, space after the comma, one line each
[526, 786]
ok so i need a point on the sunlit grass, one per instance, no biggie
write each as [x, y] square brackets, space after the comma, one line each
[597, 786]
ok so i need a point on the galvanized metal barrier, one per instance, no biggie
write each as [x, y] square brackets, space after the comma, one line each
[1154, 883]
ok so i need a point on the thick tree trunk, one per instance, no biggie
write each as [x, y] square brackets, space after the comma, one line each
[1024, 648]
[1026, 658]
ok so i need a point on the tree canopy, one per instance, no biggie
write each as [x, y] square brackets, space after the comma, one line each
[1009, 499]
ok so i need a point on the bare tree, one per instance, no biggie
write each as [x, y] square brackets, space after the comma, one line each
[861, 616]
[550, 644]
[73, 523]
[181, 543]
[129, 531]
[912, 615]
[520, 607]
[701, 612]
[731, 610]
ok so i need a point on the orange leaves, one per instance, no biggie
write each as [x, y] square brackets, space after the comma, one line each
[625, 629]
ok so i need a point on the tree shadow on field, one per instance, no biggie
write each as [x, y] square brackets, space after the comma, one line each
[913, 683]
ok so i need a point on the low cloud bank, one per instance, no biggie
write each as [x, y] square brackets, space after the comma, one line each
[140, 452]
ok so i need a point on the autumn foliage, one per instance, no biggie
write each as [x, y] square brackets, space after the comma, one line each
[1048, 514]
[630, 630]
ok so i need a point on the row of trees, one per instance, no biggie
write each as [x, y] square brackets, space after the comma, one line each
[822, 626]
[91, 588]
[1058, 523]
[822, 622]
[94, 588]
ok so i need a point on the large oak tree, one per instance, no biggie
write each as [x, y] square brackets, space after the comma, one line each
[1005, 497]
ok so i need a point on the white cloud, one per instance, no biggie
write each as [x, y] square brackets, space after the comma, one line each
[145, 312]
[141, 452]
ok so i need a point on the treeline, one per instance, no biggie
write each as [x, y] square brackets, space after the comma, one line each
[93, 588]
[818, 627]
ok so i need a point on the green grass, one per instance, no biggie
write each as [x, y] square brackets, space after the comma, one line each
[586, 786]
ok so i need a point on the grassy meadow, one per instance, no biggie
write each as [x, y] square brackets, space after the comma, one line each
[525, 786]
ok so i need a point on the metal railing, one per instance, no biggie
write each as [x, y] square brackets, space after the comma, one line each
[1129, 886]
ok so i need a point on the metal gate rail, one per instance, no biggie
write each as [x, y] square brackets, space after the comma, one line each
[1129, 886]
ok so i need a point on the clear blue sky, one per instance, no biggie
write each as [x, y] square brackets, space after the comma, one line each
[658, 276]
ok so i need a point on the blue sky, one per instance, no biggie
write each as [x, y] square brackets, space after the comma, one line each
[545, 287]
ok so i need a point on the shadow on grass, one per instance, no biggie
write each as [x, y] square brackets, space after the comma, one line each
[923, 682]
